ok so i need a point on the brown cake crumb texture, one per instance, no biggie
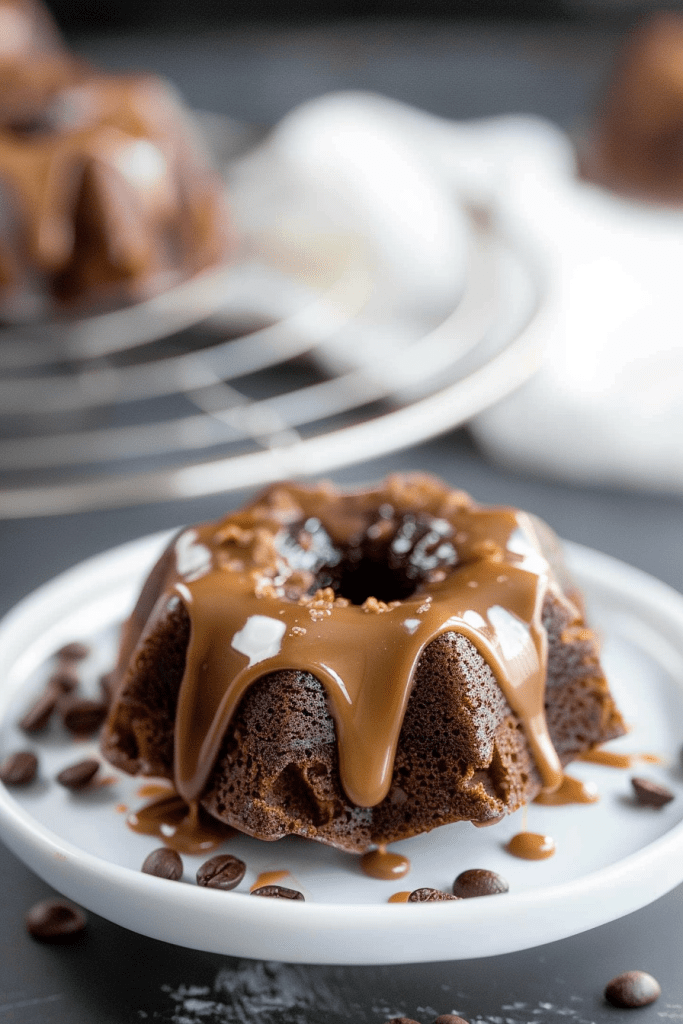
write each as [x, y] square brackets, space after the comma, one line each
[462, 753]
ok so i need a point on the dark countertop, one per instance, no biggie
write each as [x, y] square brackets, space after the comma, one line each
[114, 976]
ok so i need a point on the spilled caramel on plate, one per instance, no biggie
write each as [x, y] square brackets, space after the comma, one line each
[183, 827]
[268, 878]
[381, 864]
[531, 846]
[571, 791]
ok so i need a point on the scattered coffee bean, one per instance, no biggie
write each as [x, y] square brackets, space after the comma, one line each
[164, 863]
[64, 680]
[478, 882]
[19, 769]
[39, 714]
[651, 794]
[107, 687]
[450, 1018]
[74, 651]
[222, 872]
[429, 896]
[77, 776]
[82, 716]
[401, 1020]
[278, 892]
[55, 921]
[632, 989]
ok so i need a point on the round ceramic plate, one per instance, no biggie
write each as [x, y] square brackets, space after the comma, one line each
[612, 857]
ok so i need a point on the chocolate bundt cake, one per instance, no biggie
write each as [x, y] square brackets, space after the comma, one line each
[359, 668]
[106, 195]
[637, 144]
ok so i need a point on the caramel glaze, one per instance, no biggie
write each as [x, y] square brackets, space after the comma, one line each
[399, 897]
[254, 611]
[385, 866]
[571, 791]
[531, 846]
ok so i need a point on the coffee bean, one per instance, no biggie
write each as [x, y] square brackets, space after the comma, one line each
[64, 680]
[19, 769]
[107, 687]
[278, 892]
[634, 988]
[164, 863]
[401, 1020]
[39, 714]
[450, 1018]
[55, 921]
[429, 896]
[77, 776]
[222, 872]
[651, 794]
[82, 716]
[74, 651]
[478, 882]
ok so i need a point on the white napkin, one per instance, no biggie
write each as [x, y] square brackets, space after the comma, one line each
[607, 405]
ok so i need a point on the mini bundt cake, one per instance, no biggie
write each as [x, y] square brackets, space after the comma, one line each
[637, 144]
[106, 195]
[361, 667]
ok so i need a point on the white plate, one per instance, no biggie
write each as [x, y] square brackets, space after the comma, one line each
[612, 857]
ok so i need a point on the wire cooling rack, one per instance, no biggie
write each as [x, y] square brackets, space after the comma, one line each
[261, 370]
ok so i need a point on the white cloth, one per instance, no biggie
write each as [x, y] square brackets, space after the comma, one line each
[607, 405]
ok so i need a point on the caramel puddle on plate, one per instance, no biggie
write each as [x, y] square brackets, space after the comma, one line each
[152, 789]
[268, 878]
[383, 865]
[571, 791]
[531, 846]
[613, 759]
[182, 827]
[399, 897]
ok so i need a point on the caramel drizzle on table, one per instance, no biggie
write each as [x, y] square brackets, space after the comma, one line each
[230, 576]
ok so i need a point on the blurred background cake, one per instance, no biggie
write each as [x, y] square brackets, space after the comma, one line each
[106, 193]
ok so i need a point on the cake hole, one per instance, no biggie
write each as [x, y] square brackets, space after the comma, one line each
[389, 560]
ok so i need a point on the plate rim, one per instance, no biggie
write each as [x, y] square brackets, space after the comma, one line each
[75, 871]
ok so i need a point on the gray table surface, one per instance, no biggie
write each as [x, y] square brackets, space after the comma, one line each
[112, 975]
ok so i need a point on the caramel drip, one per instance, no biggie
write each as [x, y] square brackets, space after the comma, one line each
[383, 865]
[399, 897]
[183, 828]
[268, 878]
[571, 791]
[614, 759]
[250, 616]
